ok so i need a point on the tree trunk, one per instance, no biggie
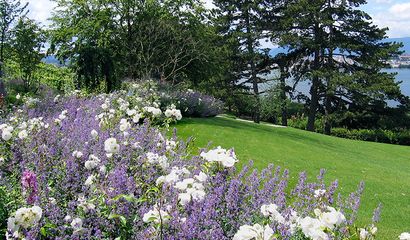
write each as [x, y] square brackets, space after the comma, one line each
[254, 77]
[328, 123]
[283, 107]
[314, 99]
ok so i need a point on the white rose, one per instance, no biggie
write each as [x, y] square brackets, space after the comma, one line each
[77, 224]
[184, 198]
[94, 134]
[363, 234]
[111, 146]
[404, 236]
[202, 177]
[23, 134]
[6, 135]
[90, 180]
[257, 232]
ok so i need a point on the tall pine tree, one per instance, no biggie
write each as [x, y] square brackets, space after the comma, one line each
[343, 54]
[244, 22]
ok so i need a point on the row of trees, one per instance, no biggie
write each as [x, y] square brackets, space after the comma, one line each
[332, 44]
[22, 40]
[111, 40]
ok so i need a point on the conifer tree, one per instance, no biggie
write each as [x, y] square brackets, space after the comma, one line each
[245, 23]
[343, 54]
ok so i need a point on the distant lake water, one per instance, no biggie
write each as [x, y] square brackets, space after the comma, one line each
[403, 75]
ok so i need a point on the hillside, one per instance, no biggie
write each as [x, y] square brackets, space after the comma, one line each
[405, 41]
[384, 168]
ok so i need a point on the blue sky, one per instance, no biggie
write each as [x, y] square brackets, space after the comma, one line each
[394, 14]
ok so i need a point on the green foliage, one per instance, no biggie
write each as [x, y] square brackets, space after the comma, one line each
[9, 200]
[59, 78]
[28, 40]
[243, 25]
[300, 121]
[107, 41]
[270, 106]
[10, 10]
[378, 135]
[340, 51]
[4, 213]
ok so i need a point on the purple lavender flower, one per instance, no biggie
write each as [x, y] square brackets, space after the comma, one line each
[29, 182]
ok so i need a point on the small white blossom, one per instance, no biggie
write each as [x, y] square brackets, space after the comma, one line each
[154, 158]
[363, 234]
[404, 236]
[92, 162]
[90, 180]
[28, 217]
[52, 200]
[255, 232]
[67, 218]
[77, 224]
[131, 112]
[103, 169]
[23, 134]
[271, 211]
[77, 154]
[202, 177]
[94, 134]
[111, 146]
[312, 228]
[124, 125]
[6, 135]
[136, 118]
[155, 215]
[226, 157]
[319, 193]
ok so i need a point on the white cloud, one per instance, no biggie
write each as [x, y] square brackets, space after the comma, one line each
[208, 4]
[40, 10]
[383, 1]
[401, 11]
[396, 18]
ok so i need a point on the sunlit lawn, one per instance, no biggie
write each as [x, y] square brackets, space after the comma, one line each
[384, 168]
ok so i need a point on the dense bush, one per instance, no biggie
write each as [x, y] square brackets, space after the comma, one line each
[88, 168]
[193, 103]
[299, 121]
[378, 135]
[60, 79]
[401, 137]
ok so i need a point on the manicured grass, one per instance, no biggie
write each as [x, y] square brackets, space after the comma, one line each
[384, 168]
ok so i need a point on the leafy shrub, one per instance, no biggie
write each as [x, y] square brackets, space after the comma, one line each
[59, 78]
[192, 103]
[300, 122]
[378, 135]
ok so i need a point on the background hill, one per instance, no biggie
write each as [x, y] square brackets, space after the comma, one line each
[405, 41]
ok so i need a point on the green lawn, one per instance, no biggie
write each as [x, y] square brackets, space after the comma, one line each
[384, 168]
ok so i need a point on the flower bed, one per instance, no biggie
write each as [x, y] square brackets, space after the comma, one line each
[104, 167]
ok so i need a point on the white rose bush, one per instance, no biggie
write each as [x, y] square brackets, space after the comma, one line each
[107, 167]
